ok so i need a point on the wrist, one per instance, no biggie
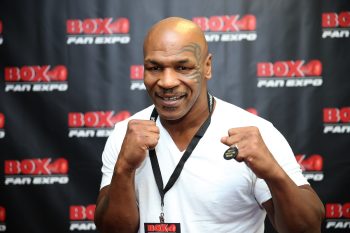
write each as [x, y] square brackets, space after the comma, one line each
[276, 174]
[123, 168]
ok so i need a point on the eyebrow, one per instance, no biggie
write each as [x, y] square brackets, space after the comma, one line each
[151, 61]
[183, 61]
[154, 62]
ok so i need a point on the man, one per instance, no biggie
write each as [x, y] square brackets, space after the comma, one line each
[207, 192]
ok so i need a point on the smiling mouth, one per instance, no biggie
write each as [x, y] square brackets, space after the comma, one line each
[170, 101]
[173, 98]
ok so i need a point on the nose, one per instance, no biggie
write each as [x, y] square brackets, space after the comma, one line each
[168, 79]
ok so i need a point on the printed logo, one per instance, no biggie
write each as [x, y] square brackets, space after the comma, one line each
[336, 25]
[253, 111]
[98, 31]
[44, 171]
[82, 217]
[337, 216]
[311, 166]
[136, 77]
[226, 28]
[36, 78]
[2, 219]
[2, 124]
[93, 124]
[162, 227]
[336, 120]
[289, 74]
[1, 39]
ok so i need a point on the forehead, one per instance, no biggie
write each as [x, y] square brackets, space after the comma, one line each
[173, 53]
[169, 42]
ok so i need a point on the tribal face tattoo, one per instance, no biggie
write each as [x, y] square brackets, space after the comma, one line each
[195, 49]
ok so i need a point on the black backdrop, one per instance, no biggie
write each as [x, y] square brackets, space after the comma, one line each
[70, 69]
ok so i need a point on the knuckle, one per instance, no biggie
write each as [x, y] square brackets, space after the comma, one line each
[131, 123]
[256, 131]
[230, 131]
[157, 130]
[253, 129]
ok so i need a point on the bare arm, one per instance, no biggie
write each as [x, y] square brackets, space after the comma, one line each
[116, 208]
[292, 209]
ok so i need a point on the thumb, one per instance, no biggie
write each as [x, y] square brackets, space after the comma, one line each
[224, 139]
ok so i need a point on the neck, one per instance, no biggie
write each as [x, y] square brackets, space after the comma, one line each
[186, 123]
[183, 130]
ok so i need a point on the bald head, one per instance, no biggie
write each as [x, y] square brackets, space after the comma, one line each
[173, 33]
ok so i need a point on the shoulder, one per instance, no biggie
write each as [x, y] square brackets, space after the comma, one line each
[227, 115]
[238, 116]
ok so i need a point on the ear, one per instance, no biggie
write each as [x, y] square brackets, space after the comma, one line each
[207, 67]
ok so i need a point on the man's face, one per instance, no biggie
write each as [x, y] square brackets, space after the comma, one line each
[174, 78]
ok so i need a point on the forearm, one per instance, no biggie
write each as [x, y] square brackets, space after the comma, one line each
[116, 210]
[296, 209]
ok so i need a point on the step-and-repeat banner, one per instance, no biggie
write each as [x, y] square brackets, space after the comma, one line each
[69, 70]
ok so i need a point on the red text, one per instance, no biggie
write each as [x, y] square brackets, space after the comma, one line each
[98, 26]
[226, 23]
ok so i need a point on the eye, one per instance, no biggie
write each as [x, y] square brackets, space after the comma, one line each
[183, 68]
[153, 68]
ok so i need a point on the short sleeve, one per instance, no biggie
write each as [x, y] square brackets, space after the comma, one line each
[111, 151]
[282, 152]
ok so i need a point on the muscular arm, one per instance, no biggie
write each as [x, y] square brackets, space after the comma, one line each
[292, 208]
[116, 208]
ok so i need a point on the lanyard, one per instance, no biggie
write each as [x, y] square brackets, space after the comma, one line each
[176, 173]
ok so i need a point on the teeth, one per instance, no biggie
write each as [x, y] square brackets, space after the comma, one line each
[171, 98]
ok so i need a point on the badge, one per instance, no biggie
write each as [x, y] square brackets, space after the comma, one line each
[162, 227]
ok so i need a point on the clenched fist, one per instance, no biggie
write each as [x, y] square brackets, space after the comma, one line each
[252, 150]
[140, 136]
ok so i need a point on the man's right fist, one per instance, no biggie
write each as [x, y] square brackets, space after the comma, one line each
[141, 135]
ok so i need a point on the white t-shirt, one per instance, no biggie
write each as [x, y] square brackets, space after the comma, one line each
[212, 194]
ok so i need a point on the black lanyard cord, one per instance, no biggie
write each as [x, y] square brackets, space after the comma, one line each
[175, 175]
